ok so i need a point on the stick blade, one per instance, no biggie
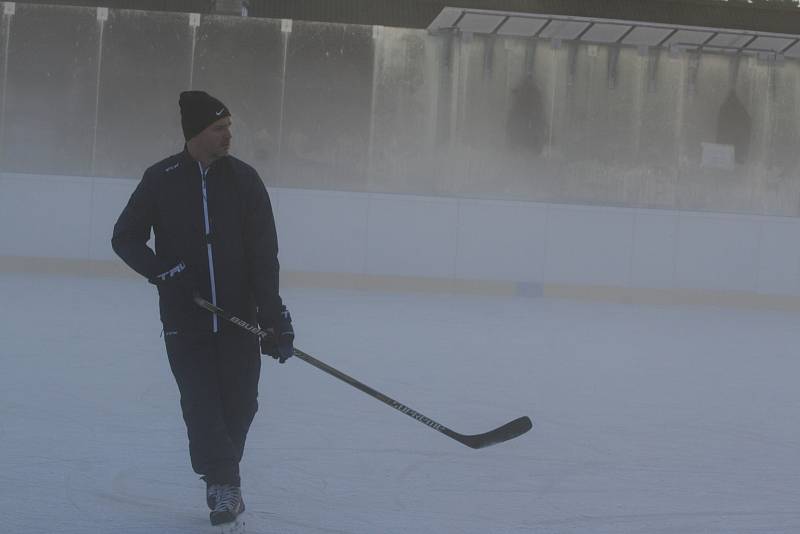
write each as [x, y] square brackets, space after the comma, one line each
[508, 431]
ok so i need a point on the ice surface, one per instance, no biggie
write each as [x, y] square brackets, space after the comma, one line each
[646, 419]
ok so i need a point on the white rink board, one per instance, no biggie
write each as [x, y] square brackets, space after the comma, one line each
[442, 238]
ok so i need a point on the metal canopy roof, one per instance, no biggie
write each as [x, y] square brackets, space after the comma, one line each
[775, 17]
[710, 24]
[622, 32]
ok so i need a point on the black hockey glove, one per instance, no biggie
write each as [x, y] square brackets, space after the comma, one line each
[176, 280]
[279, 341]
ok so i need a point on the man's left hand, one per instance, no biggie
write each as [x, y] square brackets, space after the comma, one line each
[279, 341]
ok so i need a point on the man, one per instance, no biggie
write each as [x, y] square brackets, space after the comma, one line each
[214, 237]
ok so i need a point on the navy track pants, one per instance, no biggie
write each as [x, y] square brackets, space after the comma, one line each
[217, 375]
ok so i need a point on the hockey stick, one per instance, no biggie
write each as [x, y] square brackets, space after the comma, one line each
[508, 431]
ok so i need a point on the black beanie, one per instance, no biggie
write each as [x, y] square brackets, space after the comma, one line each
[198, 111]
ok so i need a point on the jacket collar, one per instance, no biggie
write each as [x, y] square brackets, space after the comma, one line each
[186, 158]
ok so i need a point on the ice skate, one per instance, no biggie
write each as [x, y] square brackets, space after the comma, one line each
[211, 494]
[227, 509]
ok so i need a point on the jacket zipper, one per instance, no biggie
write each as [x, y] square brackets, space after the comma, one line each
[214, 320]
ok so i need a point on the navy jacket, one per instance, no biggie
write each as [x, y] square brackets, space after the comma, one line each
[220, 225]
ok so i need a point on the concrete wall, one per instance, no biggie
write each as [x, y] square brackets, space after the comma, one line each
[398, 111]
[532, 245]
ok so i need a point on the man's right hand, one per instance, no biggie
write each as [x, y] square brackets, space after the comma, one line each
[177, 278]
[173, 274]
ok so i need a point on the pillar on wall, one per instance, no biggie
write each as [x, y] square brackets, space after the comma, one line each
[530, 56]
[9, 9]
[693, 58]
[773, 61]
[231, 7]
[446, 85]
[653, 59]
[613, 62]
[572, 62]
[488, 56]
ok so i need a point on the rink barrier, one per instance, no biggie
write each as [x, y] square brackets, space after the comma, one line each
[428, 285]
[674, 297]
[438, 244]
